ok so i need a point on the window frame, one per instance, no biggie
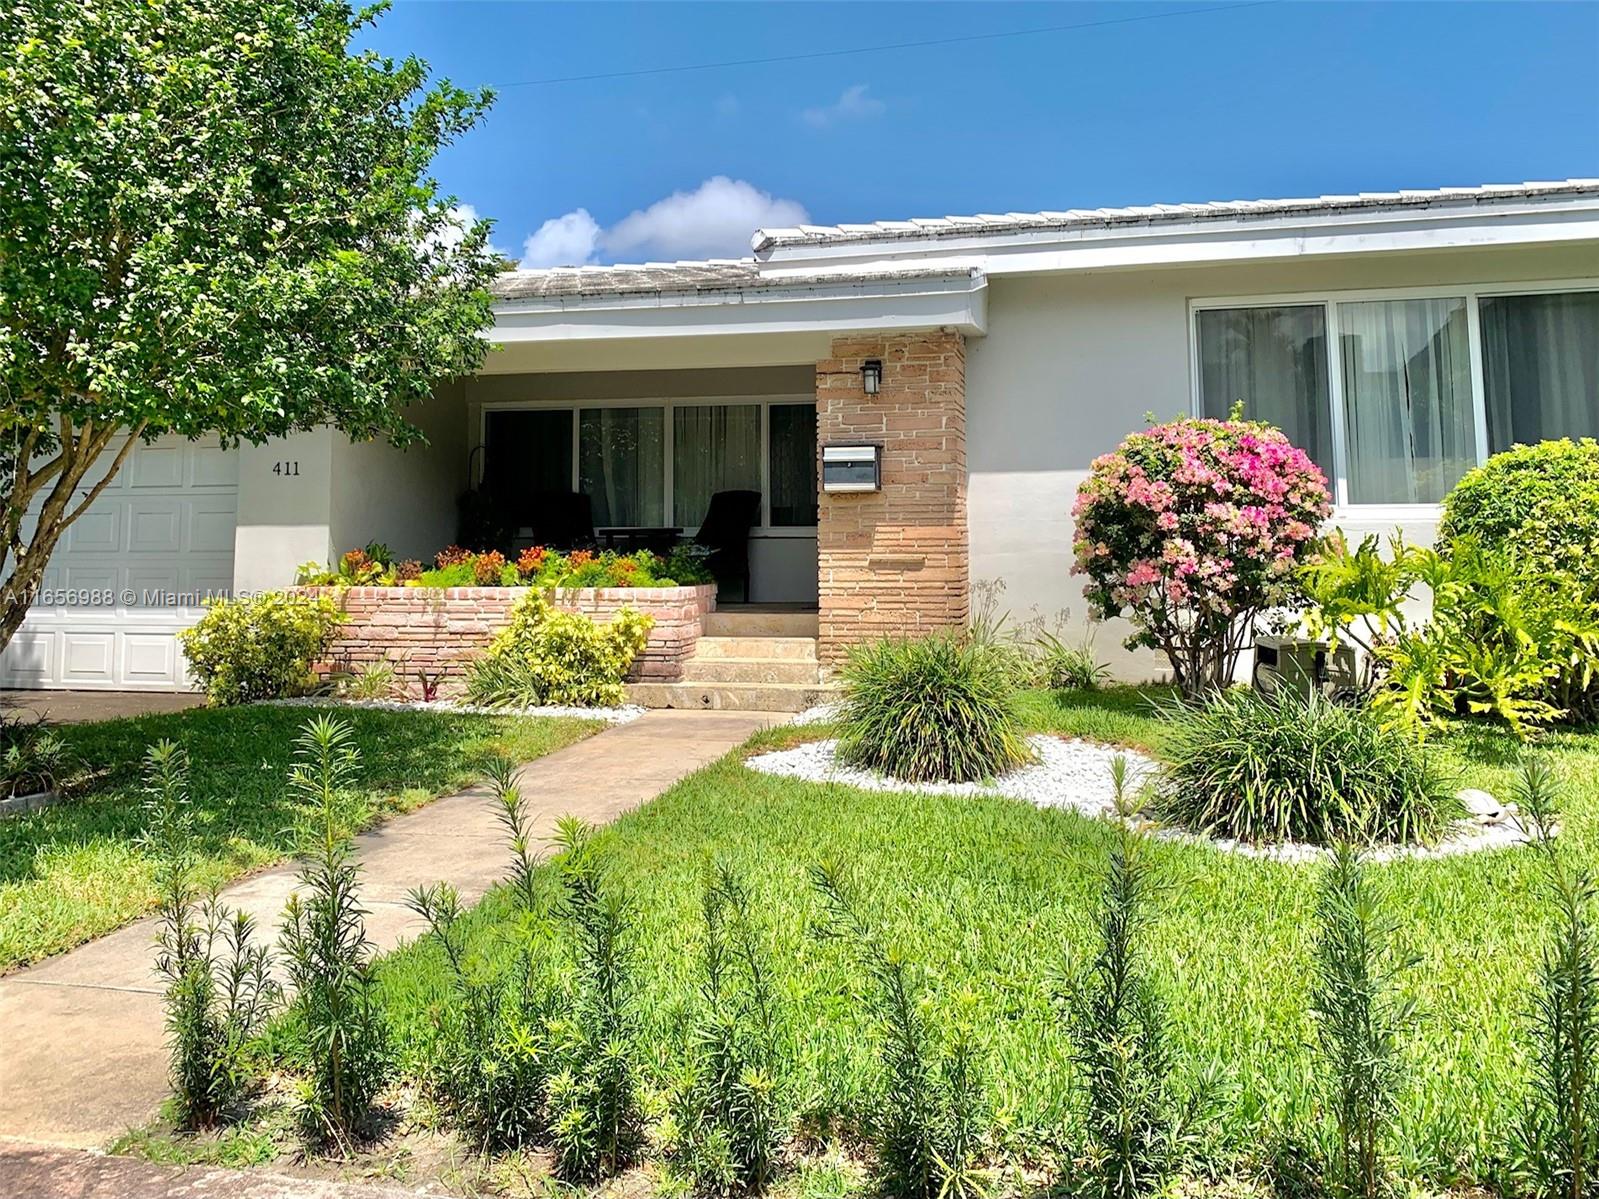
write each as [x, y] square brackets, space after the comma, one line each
[1329, 300]
[575, 406]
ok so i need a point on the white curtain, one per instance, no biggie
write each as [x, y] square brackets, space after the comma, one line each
[1275, 361]
[715, 447]
[1540, 356]
[1407, 399]
[622, 465]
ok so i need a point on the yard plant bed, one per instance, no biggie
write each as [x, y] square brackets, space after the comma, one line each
[77, 871]
[996, 898]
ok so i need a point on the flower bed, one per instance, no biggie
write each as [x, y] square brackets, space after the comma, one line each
[436, 631]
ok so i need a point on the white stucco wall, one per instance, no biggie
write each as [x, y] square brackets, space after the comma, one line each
[404, 498]
[285, 516]
[1072, 363]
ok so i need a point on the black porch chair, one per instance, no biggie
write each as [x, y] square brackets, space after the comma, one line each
[725, 532]
[563, 520]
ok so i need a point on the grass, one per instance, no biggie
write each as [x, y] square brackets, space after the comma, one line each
[998, 897]
[74, 872]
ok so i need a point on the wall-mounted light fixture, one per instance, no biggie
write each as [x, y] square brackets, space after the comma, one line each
[871, 376]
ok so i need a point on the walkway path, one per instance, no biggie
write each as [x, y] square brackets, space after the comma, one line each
[82, 1057]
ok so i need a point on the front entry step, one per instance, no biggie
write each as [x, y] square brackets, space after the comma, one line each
[731, 697]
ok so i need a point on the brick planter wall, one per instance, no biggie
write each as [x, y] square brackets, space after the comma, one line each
[439, 630]
[894, 562]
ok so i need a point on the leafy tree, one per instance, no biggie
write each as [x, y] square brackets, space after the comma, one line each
[215, 219]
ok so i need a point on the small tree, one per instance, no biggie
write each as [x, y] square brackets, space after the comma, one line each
[1192, 530]
[215, 219]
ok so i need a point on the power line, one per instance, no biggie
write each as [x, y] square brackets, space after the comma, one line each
[944, 41]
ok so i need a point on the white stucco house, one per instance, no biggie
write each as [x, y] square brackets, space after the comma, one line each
[1399, 338]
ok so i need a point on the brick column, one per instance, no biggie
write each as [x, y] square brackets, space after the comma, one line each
[894, 562]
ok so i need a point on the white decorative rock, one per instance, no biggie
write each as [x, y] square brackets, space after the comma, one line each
[1480, 806]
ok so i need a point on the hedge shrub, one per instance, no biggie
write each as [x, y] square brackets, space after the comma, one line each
[545, 656]
[262, 647]
[1539, 503]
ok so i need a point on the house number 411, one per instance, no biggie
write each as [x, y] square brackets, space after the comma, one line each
[286, 469]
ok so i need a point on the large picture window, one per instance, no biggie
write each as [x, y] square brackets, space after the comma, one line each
[1397, 395]
[655, 465]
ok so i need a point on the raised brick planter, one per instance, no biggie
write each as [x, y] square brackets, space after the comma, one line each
[438, 630]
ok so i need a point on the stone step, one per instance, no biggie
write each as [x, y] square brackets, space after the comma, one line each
[731, 697]
[750, 670]
[733, 623]
[771, 649]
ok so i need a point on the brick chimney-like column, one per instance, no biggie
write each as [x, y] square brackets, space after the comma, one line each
[894, 562]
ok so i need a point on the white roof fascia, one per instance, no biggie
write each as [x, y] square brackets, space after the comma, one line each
[958, 301]
[1212, 241]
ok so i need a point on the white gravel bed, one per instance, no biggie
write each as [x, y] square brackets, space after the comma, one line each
[820, 714]
[622, 715]
[1075, 774]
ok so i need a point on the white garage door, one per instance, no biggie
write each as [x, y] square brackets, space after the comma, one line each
[130, 573]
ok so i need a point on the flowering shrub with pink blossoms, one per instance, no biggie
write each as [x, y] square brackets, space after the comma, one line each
[1191, 530]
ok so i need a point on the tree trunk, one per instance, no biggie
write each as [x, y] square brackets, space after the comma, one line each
[80, 450]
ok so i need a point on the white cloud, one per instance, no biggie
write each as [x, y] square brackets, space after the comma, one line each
[853, 104]
[715, 220]
[458, 219]
[568, 240]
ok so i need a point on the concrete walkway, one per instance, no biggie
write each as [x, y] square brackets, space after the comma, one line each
[75, 707]
[31, 1171]
[82, 1057]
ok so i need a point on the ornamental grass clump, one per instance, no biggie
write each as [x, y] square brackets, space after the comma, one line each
[1193, 530]
[940, 708]
[1279, 768]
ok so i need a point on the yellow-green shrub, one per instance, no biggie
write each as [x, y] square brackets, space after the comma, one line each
[259, 648]
[546, 656]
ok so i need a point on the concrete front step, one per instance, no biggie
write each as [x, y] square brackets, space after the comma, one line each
[750, 670]
[771, 649]
[733, 623]
[733, 697]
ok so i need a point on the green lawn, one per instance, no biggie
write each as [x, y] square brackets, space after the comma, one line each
[74, 872]
[997, 896]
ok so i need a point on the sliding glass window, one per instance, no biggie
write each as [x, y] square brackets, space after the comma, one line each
[1410, 419]
[715, 447]
[1540, 359]
[791, 468]
[621, 454]
[1274, 362]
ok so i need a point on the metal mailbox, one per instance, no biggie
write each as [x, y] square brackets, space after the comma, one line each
[852, 468]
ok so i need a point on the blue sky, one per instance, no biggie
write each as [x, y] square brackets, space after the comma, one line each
[1274, 99]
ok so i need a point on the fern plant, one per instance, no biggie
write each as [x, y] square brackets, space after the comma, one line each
[928, 1118]
[220, 990]
[329, 957]
[1132, 1109]
[1360, 1019]
[731, 1110]
[1558, 1142]
[594, 1118]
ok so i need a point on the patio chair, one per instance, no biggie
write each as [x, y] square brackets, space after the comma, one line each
[725, 531]
[563, 520]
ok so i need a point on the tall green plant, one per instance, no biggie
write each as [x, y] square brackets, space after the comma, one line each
[1132, 1109]
[595, 1122]
[329, 957]
[219, 984]
[732, 1106]
[1558, 1142]
[927, 1119]
[1360, 1020]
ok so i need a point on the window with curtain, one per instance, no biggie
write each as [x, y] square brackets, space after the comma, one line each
[621, 455]
[1410, 423]
[791, 466]
[1540, 361]
[715, 447]
[1275, 361]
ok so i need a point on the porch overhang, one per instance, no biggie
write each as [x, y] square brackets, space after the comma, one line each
[752, 321]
